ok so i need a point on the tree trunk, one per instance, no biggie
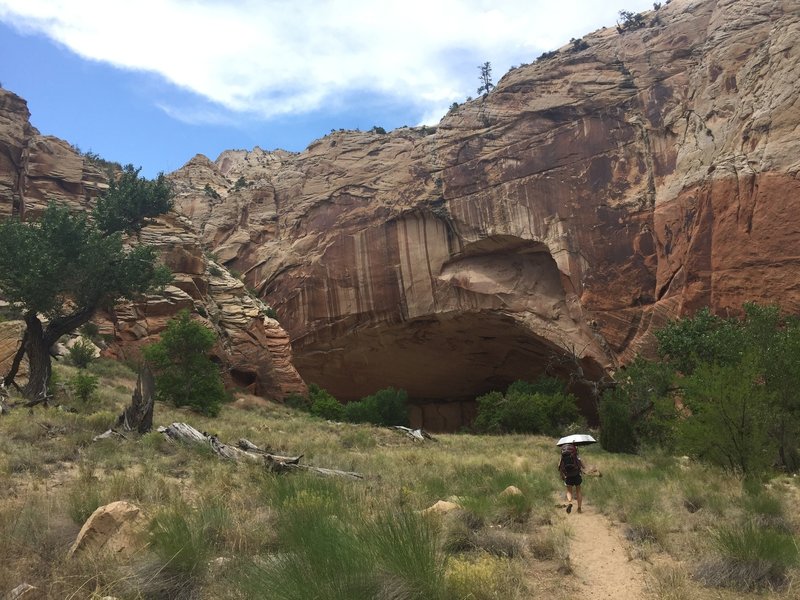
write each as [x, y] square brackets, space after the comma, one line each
[38, 351]
[38, 341]
[139, 414]
[12, 373]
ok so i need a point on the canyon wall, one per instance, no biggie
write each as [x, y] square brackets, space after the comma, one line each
[252, 348]
[551, 225]
[548, 227]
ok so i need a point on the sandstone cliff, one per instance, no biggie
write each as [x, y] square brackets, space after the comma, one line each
[253, 348]
[591, 196]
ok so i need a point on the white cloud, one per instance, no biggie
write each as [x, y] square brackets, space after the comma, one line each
[276, 57]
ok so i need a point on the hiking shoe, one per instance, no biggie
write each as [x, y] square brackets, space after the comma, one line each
[569, 508]
[579, 509]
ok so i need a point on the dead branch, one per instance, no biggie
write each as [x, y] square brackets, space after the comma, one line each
[107, 434]
[418, 435]
[247, 451]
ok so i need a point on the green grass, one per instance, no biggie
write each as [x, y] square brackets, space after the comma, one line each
[226, 530]
[750, 557]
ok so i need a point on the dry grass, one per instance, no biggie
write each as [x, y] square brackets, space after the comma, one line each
[211, 517]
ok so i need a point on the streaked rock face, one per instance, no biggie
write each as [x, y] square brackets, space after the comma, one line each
[253, 349]
[589, 198]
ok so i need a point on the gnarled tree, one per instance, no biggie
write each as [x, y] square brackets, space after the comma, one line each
[65, 265]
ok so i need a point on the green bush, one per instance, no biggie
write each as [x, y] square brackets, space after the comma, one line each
[384, 407]
[729, 426]
[184, 374]
[616, 428]
[90, 330]
[81, 353]
[324, 405]
[298, 402]
[83, 385]
[527, 407]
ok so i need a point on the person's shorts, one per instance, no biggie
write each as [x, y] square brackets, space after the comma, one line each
[573, 480]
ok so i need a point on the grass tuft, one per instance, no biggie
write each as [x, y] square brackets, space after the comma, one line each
[749, 558]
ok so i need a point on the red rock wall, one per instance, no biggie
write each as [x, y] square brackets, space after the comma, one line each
[589, 198]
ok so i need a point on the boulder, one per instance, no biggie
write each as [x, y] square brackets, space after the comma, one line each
[112, 528]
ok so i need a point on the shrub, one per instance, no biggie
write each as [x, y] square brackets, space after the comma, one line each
[184, 374]
[211, 192]
[83, 385]
[240, 183]
[490, 413]
[81, 353]
[579, 44]
[483, 578]
[538, 407]
[750, 557]
[616, 429]
[379, 130]
[631, 20]
[730, 419]
[324, 405]
[90, 330]
[185, 537]
[384, 407]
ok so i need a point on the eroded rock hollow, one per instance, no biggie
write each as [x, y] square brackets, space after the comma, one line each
[590, 197]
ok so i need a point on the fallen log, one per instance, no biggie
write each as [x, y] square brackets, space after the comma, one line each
[418, 435]
[247, 451]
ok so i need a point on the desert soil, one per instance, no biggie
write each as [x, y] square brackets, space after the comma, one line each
[599, 559]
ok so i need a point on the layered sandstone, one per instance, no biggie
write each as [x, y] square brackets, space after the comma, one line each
[591, 196]
[253, 349]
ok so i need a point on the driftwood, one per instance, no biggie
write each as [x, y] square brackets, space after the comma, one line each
[138, 415]
[418, 435]
[247, 451]
[108, 434]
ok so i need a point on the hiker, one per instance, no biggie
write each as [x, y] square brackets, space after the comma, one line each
[570, 467]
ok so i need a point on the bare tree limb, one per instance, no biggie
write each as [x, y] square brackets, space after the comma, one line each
[247, 451]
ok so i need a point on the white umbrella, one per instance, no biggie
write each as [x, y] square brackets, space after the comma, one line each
[578, 439]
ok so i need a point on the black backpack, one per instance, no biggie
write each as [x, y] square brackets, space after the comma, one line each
[570, 464]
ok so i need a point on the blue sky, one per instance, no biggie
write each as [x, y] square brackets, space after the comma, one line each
[156, 85]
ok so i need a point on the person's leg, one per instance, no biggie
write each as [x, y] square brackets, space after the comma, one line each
[569, 494]
[578, 496]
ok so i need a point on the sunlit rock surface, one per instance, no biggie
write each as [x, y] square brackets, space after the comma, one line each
[589, 198]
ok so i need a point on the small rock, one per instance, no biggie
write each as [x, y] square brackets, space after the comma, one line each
[441, 507]
[511, 490]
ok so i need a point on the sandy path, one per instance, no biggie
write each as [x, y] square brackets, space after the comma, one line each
[599, 561]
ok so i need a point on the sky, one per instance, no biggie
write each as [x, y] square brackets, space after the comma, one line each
[155, 82]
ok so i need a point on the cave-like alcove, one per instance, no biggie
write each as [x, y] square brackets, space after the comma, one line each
[443, 361]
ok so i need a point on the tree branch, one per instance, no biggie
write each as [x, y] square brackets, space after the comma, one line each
[12, 373]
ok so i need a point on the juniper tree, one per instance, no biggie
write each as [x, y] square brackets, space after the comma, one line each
[60, 268]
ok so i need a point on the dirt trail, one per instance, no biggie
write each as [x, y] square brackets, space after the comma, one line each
[599, 560]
